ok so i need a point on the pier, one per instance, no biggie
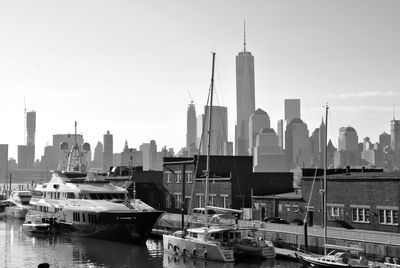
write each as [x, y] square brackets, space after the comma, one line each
[377, 245]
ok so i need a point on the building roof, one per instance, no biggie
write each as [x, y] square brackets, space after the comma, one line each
[348, 129]
[296, 121]
[260, 111]
[267, 130]
[296, 195]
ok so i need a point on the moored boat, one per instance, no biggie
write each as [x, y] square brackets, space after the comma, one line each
[80, 203]
[36, 225]
[17, 205]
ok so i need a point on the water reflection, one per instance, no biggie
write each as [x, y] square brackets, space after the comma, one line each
[19, 248]
[178, 261]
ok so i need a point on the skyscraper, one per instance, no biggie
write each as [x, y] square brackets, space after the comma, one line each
[348, 153]
[3, 162]
[107, 151]
[245, 98]
[70, 139]
[98, 155]
[30, 138]
[258, 120]
[297, 147]
[395, 141]
[219, 130]
[292, 109]
[280, 134]
[191, 126]
[30, 127]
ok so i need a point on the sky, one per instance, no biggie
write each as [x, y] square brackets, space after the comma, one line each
[132, 67]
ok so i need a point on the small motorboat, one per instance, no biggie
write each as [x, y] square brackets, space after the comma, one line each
[36, 225]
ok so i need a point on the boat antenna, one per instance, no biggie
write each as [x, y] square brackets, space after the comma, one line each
[325, 183]
[244, 36]
[209, 139]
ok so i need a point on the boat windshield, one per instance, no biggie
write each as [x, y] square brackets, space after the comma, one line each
[106, 196]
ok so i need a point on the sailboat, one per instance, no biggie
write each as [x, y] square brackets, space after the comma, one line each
[206, 242]
[340, 256]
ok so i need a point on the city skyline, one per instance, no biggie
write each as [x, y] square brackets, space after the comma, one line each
[127, 67]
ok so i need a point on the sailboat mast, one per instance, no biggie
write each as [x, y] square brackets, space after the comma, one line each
[325, 183]
[209, 137]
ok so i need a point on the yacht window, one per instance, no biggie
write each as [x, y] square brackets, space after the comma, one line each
[93, 196]
[58, 195]
[101, 196]
[83, 217]
[109, 196]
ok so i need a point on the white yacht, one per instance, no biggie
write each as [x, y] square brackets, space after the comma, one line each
[90, 206]
[78, 203]
[17, 205]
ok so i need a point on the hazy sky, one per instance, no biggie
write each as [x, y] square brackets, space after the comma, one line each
[127, 66]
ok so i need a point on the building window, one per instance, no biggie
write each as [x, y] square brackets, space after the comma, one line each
[200, 201]
[287, 208]
[187, 201]
[168, 179]
[189, 176]
[178, 200]
[335, 212]
[168, 201]
[295, 208]
[360, 214]
[388, 216]
[224, 201]
[178, 178]
[211, 200]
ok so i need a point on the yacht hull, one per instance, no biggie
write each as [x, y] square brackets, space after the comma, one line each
[15, 212]
[197, 248]
[125, 227]
[317, 262]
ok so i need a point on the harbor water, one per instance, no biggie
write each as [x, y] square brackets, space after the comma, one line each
[19, 248]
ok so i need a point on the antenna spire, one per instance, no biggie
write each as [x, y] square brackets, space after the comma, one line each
[394, 112]
[244, 36]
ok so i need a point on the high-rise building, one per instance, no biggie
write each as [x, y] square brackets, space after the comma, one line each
[349, 153]
[314, 148]
[297, 147]
[245, 98]
[150, 157]
[348, 139]
[98, 155]
[281, 136]
[23, 157]
[292, 109]
[191, 126]
[30, 127]
[395, 141]
[3, 162]
[70, 139]
[268, 155]
[219, 130]
[258, 120]
[49, 159]
[199, 130]
[107, 151]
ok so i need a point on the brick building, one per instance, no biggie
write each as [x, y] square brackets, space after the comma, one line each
[357, 198]
[230, 185]
[288, 206]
